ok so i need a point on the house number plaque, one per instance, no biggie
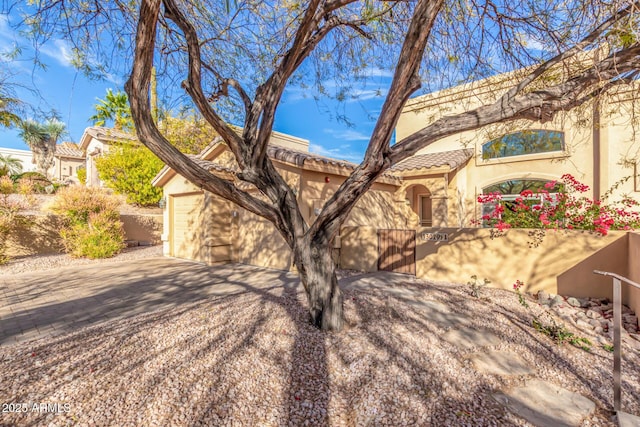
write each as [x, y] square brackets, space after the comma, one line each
[435, 237]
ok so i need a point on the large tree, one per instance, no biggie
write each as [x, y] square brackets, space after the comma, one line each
[246, 57]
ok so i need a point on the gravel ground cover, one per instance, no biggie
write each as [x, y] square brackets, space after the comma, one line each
[252, 359]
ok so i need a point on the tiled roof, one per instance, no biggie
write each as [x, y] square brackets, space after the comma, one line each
[69, 149]
[298, 158]
[108, 134]
[209, 165]
[453, 159]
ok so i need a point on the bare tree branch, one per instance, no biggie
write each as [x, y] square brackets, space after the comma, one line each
[193, 84]
[405, 82]
[137, 88]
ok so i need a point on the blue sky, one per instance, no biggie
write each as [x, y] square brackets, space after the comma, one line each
[72, 96]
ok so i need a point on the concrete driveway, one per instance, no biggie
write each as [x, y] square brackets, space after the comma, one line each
[52, 302]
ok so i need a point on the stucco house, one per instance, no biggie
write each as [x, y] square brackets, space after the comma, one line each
[421, 211]
[598, 144]
[204, 227]
[68, 159]
[95, 141]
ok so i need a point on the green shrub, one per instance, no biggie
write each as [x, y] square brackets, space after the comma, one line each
[93, 229]
[82, 175]
[129, 169]
[39, 182]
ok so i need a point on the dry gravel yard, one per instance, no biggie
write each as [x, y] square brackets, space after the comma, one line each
[251, 359]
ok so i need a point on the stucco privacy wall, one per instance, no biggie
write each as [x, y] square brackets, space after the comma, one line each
[620, 257]
[473, 251]
[41, 236]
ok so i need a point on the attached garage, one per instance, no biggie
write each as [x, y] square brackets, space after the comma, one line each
[199, 227]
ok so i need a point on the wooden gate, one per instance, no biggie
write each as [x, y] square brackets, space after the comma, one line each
[397, 251]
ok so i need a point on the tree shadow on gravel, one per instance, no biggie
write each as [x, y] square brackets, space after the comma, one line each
[185, 344]
[235, 305]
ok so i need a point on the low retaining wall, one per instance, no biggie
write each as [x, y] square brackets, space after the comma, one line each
[562, 263]
[40, 236]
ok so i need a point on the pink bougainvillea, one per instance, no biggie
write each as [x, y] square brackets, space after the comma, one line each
[566, 209]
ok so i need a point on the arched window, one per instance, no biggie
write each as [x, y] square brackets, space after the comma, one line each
[511, 189]
[524, 142]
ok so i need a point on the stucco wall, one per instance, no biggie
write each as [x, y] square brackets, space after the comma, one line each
[503, 259]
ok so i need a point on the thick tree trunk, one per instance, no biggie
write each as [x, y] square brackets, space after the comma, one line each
[318, 274]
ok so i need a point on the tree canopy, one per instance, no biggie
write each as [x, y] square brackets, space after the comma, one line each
[234, 64]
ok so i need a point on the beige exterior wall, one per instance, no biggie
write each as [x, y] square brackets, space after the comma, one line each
[600, 149]
[66, 167]
[503, 259]
[254, 240]
[25, 156]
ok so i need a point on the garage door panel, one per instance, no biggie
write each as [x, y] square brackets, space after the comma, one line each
[200, 227]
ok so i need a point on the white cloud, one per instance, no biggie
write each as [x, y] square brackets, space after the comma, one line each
[376, 72]
[365, 94]
[340, 153]
[59, 51]
[347, 135]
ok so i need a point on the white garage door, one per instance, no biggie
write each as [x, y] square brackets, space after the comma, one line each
[187, 226]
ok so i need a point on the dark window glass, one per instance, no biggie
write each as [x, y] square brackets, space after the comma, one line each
[524, 142]
[517, 186]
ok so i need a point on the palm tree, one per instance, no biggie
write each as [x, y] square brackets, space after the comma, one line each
[42, 139]
[114, 107]
[10, 165]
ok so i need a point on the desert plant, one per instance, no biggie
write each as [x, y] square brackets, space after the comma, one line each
[93, 227]
[10, 166]
[38, 181]
[477, 286]
[521, 299]
[42, 139]
[560, 334]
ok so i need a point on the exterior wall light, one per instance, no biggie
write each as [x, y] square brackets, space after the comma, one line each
[317, 211]
[234, 214]
[162, 203]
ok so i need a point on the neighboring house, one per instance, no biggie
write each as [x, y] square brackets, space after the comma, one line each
[597, 143]
[69, 158]
[25, 156]
[96, 141]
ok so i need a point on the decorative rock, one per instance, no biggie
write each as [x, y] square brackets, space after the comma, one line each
[591, 314]
[545, 404]
[556, 301]
[583, 324]
[573, 302]
[627, 420]
[598, 329]
[584, 302]
[629, 318]
[595, 323]
[543, 296]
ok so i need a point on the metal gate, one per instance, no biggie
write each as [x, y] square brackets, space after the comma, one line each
[397, 251]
